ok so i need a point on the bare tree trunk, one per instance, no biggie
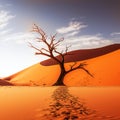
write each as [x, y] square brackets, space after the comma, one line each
[60, 79]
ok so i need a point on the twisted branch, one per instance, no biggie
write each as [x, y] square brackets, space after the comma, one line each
[80, 66]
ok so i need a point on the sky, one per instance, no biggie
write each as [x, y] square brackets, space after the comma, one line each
[84, 24]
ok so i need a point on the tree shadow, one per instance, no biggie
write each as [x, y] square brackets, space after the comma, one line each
[65, 106]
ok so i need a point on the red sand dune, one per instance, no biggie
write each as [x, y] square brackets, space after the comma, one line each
[103, 63]
[5, 83]
[84, 54]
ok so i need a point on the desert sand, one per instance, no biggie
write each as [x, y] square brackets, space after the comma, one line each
[38, 103]
[102, 63]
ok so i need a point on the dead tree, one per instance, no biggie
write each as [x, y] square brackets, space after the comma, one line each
[51, 52]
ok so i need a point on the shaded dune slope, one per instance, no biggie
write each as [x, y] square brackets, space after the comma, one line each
[80, 55]
[5, 83]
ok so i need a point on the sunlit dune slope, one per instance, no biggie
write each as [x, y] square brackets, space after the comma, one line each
[105, 69]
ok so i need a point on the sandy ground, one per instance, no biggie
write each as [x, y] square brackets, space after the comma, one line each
[32, 103]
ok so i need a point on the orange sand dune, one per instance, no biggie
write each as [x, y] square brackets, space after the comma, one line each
[105, 69]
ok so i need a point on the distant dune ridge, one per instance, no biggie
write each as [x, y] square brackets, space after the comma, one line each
[102, 62]
[84, 54]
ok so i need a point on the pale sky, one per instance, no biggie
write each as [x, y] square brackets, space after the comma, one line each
[83, 24]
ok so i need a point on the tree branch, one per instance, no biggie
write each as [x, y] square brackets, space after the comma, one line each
[52, 40]
[40, 52]
[57, 43]
[86, 71]
[38, 30]
[66, 50]
[80, 66]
